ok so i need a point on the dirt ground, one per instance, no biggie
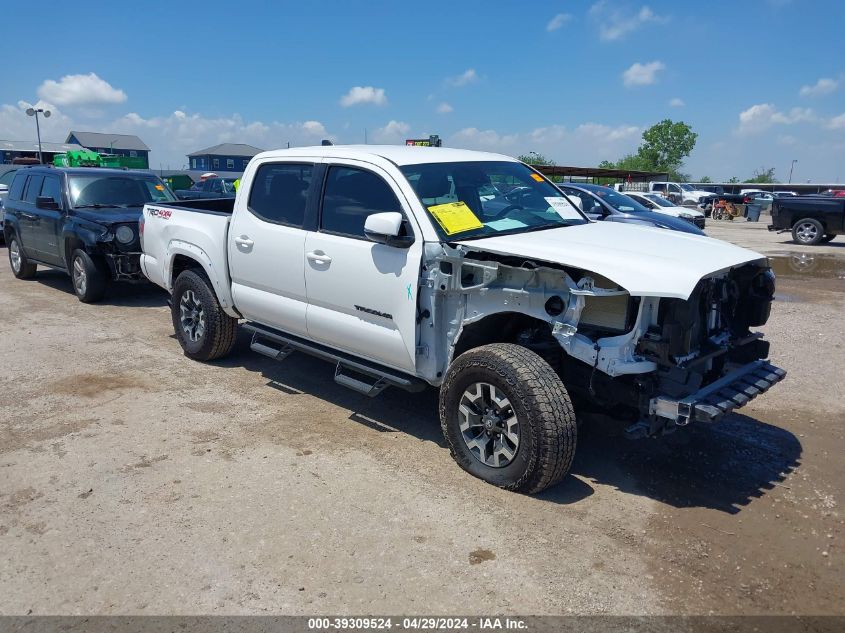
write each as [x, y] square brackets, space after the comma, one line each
[133, 480]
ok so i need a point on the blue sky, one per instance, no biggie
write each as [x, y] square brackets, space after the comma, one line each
[761, 81]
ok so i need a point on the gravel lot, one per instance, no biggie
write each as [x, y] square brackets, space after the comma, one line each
[133, 480]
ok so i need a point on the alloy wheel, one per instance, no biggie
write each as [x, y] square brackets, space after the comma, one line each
[806, 232]
[489, 425]
[15, 256]
[80, 277]
[192, 316]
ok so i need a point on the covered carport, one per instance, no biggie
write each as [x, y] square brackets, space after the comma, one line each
[598, 175]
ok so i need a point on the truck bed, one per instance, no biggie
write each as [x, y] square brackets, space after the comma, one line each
[189, 230]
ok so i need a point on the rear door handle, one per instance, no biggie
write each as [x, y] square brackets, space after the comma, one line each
[243, 240]
[318, 257]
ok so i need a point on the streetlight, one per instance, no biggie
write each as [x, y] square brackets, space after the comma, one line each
[34, 112]
[791, 167]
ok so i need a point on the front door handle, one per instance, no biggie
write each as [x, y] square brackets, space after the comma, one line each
[318, 257]
[244, 241]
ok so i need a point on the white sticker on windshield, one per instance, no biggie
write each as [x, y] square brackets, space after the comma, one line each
[563, 208]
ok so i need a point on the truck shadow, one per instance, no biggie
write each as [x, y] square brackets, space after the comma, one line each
[722, 466]
[138, 295]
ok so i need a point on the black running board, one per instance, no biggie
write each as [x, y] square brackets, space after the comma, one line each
[354, 373]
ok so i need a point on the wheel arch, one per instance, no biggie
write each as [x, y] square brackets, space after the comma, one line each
[187, 256]
[509, 327]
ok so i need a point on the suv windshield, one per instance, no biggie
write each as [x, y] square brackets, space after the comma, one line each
[486, 198]
[659, 200]
[618, 201]
[687, 187]
[97, 190]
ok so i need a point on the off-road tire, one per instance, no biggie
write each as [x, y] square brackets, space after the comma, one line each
[220, 330]
[26, 269]
[827, 238]
[95, 277]
[547, 427]
[807, 231]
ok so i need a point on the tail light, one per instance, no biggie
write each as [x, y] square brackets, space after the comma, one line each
[746, 200]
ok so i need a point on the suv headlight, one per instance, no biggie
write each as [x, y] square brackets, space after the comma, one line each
[124, 234]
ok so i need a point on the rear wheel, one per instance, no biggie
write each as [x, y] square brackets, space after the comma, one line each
[202, 328]
[89, 278]
[22, 268]
[508, 418]
[808, 231]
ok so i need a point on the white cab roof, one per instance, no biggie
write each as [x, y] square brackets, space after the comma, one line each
[398, 154]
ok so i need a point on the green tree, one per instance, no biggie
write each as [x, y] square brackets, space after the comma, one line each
[534, 158]
[705, 179]
[733, 179]
[763, 176]
[666, 145]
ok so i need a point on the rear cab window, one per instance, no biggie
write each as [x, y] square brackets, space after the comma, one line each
[279, 193]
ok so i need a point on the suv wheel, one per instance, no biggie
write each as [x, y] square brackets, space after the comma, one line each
[808, 231]
[202, 328]
[89, 279]
[22, 268]
[508, 418]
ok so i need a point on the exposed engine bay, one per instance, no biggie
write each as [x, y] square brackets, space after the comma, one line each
[660, 361]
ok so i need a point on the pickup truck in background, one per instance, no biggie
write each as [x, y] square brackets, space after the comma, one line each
[83, 221]
[815, 219]
[412, 267]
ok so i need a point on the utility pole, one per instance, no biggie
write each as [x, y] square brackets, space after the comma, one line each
[791, 167]
[34, 112]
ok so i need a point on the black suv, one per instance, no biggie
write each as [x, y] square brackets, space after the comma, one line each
[83, 221]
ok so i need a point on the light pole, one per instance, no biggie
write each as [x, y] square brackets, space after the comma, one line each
[791, 167]
[34, 112]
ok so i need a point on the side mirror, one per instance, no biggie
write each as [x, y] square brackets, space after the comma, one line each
[46, 202]
[385, 228]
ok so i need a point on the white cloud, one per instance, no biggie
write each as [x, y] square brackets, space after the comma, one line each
[642, 74]
[558, 21]
[469, 76]
[606, 133]
[473, 138]
[616, 22]
[73, 90]
[392, 132]
[823, 86]
[837, 122]
[444, 108]
[762, 116]
[363, 94]
[677, 102]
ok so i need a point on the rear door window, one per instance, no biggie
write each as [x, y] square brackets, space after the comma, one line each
[16, 190]
[279, 193]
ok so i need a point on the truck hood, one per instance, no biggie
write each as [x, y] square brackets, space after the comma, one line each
[645, 261]
[110, 215]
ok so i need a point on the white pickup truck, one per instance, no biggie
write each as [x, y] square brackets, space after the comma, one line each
[469, 272]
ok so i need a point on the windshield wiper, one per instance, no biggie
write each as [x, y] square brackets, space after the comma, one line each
[103, 206]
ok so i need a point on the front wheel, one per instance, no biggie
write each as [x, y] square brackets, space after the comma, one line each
[808, 231]
[89, 279]
[507, 418]
[202, 328]
[22, 268]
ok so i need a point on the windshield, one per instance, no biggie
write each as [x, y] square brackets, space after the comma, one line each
[116, 191]
[618, 201]
[485, 198]
[687, 187]
[659, 200]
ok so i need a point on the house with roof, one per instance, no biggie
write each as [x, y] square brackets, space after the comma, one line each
[223, 157]
[127, 145]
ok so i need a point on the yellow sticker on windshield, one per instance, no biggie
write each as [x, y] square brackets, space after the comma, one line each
[160, 187]
[455, 217]
[537, 177]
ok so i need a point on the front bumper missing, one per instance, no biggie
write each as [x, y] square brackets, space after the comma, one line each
[708, 404]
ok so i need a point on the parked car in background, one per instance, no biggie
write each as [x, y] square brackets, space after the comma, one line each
[659, 204]
[209, 188]
[678, 192]
[834, 193]
[784, 194]
[811, 219]
[605, 204]
[387, 262]
[81, 220]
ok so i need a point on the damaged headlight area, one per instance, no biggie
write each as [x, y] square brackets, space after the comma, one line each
[120, 247]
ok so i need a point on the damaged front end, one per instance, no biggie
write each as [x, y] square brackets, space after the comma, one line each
[659, 362]
[121, 249]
